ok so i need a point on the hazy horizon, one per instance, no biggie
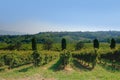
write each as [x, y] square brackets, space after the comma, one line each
[33, 16]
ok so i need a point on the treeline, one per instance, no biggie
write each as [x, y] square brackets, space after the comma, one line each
[57, 36]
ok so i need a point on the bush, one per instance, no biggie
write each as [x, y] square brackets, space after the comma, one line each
[111, 56]
[87, 57]
[47, 45]
[36, 58]
[79, 45]
[12, 60]
[65, 57]
[14, 46]
[2, 60]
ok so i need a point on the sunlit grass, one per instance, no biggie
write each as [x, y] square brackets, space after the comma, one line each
[98, 73]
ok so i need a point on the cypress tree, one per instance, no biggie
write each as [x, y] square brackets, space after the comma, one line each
[94, 57]
[96, 43]
[34, 44]
[63, 44]
[113, 43]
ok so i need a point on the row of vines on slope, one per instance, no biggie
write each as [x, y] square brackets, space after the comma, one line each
[17, 58]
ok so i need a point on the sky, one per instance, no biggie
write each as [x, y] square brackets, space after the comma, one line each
[33, 16]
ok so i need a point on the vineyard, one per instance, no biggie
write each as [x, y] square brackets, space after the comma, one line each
[18, 58]
[88, 57]
[59, 40]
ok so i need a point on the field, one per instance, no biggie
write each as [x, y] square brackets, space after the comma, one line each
[51, 61]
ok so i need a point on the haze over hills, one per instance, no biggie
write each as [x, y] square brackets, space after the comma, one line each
[4, 32]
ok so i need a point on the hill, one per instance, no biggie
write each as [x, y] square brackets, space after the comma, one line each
[102, 36]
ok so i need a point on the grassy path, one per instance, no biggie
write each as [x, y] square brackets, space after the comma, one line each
[46, 72]
[27, 72]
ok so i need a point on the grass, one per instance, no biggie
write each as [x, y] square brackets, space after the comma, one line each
[28, 72]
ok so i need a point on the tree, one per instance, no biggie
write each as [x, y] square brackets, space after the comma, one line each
[47, 44]
[34, 44]
[96, 43]
[113, 43]
[94, 58]
[63, 44]
[79, 45]
[18, 45]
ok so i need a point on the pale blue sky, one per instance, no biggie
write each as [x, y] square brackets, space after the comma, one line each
[33, 16]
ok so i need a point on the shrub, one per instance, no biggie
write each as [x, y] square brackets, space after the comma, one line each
[79, 45]
[87, 57]
[2, 60]
[65, 57]
[36, 58]
[47, 45]
[14, 46]
[12, 60]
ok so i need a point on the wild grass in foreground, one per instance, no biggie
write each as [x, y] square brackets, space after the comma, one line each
[75, 72]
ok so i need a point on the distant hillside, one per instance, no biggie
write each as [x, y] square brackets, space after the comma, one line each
[102, 36]
[3, 32]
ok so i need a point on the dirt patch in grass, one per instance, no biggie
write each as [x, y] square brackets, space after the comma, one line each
[68, 68]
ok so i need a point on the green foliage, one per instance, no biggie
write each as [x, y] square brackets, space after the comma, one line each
[48, 43]
[88, 57]
[1, 60]
[65, 57]
[17, 58]
[3, 45]
[34, 44]
[63, 44]
[36, 58]
[18, 45]
[47, 56]
[12, 60]
[56, 37]
[95, 43]
[111, 56]
[79, 45]
[113, 43]
[14, 46]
